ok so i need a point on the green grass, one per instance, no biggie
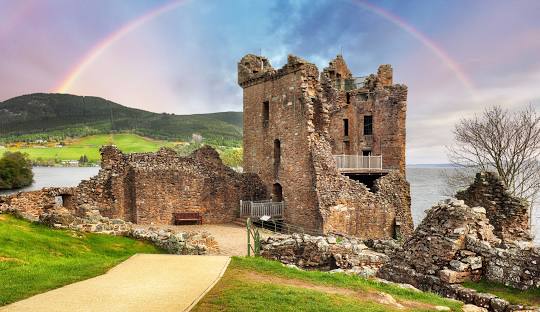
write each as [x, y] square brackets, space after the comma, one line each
[89, 146]
[236, 293]
[512, 295]
[35, 258]
[249, 296]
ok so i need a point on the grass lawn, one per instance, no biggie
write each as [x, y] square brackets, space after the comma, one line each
[35, 258]
[89, 146]
[257, 284]
[529, 297]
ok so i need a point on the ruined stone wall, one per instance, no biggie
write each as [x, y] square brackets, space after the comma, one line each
[35, 203]
[348, 207]
[508, 214]
[149, 187]
[455, 243]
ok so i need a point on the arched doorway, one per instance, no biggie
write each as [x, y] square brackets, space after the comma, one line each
[277, 193]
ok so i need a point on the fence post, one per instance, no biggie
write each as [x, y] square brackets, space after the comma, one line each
[257, 243]
[248, 234]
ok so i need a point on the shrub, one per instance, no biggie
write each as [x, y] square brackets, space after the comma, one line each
[15, 170]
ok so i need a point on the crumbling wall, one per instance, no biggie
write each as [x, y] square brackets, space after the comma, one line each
[33, 204]
[455, 243]
[349, 207]
[509, 215]
[149, 187]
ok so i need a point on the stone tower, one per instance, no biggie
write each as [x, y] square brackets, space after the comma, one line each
[304, 130]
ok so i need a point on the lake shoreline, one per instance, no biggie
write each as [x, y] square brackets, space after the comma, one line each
[428, 186]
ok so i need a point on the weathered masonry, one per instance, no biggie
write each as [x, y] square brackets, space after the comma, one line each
[330, 146]
[150, 188]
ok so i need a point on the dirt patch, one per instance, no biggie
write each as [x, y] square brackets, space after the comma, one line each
[2, 217]
[10, 259]
[363, 295]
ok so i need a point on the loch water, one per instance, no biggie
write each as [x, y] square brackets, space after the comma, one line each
[427, 186]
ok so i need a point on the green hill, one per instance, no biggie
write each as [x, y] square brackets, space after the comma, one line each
[56, 116]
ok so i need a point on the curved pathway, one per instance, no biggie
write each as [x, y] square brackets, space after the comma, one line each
[141, 283]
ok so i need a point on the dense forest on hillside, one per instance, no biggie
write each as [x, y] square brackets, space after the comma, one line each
[57, 116]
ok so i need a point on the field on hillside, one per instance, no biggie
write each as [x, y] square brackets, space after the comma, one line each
[35, 258]
[55, 153]
[89, 146]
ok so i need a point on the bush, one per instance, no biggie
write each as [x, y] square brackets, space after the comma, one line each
[15, 170]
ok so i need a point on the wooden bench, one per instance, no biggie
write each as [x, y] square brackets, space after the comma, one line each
[179, 217]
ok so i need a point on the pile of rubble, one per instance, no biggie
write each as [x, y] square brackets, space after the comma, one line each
[329, 253]
[184, 243]
[91, 221]
[455, 243]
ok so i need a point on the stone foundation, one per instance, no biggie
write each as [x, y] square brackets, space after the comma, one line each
[328, 253]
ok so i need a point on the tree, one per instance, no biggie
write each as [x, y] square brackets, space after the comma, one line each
[83, 160]
[505, 142]
[15, 170]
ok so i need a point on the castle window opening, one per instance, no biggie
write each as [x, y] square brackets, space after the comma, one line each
[366, 153]
[368, 125]
[348, 98]
[346, 127]
[266, 113]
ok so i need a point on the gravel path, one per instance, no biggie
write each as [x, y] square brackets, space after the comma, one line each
[142, 283]
[231, 238]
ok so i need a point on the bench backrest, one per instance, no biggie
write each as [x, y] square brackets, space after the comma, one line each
[187, 215]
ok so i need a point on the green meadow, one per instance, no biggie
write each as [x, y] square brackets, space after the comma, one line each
[89, 146]
[35, 258]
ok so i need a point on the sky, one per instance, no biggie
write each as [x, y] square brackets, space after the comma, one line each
[456, 57]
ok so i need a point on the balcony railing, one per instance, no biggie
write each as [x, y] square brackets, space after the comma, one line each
[355, 162]
[257, 209]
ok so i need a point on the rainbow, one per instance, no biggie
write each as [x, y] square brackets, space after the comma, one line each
[428, 43]
[104, 44]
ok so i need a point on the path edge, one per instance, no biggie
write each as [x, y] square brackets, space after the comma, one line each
[194, 303]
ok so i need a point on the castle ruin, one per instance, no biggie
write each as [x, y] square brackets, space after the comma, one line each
[323, 152]
[330, 146]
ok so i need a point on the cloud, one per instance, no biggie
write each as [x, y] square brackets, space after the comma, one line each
[185, 61]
